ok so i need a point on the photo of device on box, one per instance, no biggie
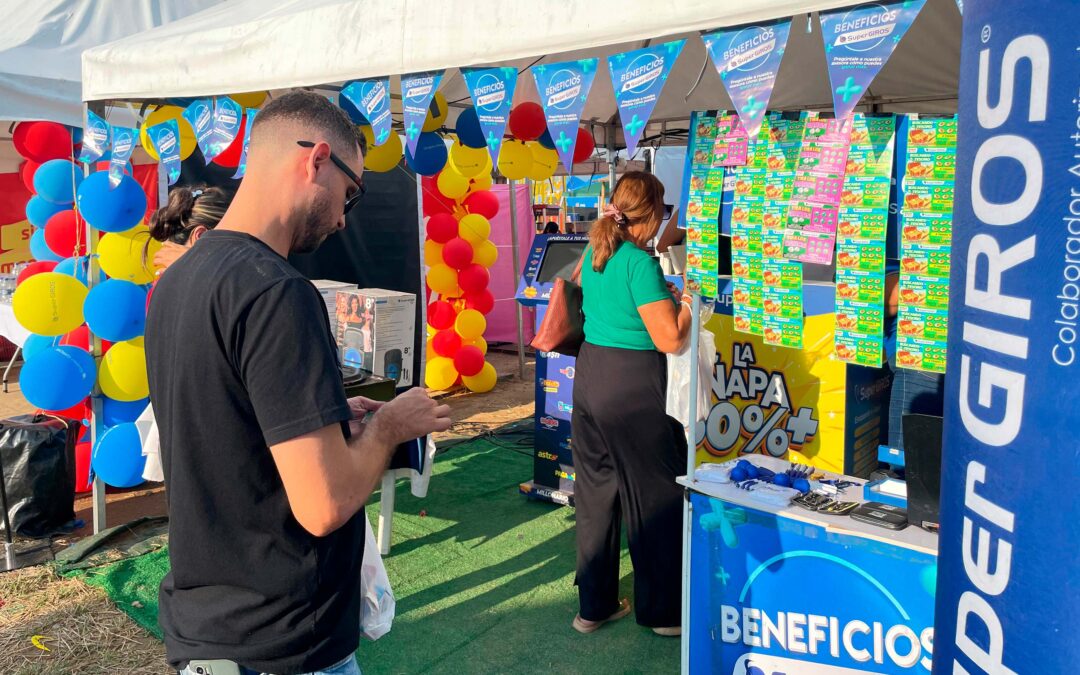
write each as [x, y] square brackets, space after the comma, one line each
[356, 331]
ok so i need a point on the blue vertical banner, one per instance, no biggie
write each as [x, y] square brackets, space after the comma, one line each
[96, 137]
[858, 42]
[492, 92]
[638, 78]
[747, 59]
[123, 145]
[241, 168]
[564, 88]
[1008, 586]
[372, 97]
[166, 140]
[417, 90]
[228, 116]
[200, 115]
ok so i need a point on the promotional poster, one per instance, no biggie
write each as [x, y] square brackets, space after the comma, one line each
[1008, 587]
[748, 59]
[372, 98]
[564, 88]
[492, 92]
[638, 77]
[417, 90]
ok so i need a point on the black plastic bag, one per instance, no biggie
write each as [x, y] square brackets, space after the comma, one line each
[37, 455]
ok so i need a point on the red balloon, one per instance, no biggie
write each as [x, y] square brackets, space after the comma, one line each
[457, 253]
[62, 233]
[42, 141]
[231, 156]
[441, 315]
[446, 343]
[484, 203]
[26, 172]
[585, 145]
[482, 301]
[442, 227]
[469, 361]
[80, 337]
[473, 279]
[82, 467]
[80, 412]
[434, 201]
[527, 121]
[35, 268]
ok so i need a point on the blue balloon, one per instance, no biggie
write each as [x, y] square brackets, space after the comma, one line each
[39, 210]
[116, 310]
[545, 140]
[56, 181]
[35, 344]
[351, 110]
[121, 412]
[108, 209]
[58, 377]
[468, 129]
[118, 457]
[40, 249]
[430, 154]
[80, 269]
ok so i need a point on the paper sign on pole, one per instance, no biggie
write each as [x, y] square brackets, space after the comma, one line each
[748, 59]
[638, 78]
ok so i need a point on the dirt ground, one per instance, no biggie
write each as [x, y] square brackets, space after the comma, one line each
[81, 631]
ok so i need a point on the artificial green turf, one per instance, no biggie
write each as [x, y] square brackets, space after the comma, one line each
[483, 580]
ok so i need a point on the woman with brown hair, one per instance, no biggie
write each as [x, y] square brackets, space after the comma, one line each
[190, 213]
[627, 451]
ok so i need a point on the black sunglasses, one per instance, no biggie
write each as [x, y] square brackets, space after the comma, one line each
[668, 210]
[356, 196]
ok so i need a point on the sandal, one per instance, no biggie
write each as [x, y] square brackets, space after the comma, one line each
[583, 626]
[672, 631]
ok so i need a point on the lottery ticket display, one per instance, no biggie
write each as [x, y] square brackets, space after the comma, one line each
[706, 185]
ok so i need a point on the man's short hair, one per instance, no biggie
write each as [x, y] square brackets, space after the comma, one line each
[314, 110]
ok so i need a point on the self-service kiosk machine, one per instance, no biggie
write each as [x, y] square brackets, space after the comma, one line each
[552, 256]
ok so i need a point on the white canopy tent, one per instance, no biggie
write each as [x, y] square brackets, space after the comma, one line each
[247, 45]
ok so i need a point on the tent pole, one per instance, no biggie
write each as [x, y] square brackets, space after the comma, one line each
[611, 158]
[691, 462]
[517, 272]
[96, 426]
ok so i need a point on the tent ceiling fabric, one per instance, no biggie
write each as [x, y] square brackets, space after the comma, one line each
[246, 45]
[43, 40]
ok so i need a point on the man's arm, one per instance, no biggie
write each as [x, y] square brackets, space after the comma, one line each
[328, 479]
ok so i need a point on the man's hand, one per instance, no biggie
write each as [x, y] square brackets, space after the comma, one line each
[361, 408]
[411, 415]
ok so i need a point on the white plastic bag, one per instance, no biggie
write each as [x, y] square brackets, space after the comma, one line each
[678, 386]
[377, 601]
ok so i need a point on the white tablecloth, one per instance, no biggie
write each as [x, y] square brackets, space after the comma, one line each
[9, 327]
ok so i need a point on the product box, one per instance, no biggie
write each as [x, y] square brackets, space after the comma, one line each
[375, 331]
[328, 289]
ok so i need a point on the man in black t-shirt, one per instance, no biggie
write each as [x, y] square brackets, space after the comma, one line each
[267, 464]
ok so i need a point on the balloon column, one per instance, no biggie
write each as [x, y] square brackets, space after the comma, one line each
[52, 300]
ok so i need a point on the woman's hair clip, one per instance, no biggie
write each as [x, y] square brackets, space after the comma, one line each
[196, 193]
[613, 212]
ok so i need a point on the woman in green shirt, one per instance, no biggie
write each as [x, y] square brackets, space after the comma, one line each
[627, 451]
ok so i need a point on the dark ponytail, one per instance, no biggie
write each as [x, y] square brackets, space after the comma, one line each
[188, 208]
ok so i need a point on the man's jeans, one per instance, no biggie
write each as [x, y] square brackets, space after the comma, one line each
[347, 667]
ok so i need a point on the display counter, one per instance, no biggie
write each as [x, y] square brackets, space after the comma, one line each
[784, 590]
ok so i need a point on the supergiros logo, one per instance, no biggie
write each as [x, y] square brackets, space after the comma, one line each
[782, 402]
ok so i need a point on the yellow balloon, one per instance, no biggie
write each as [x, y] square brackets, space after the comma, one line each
[432, 251]
[122, 255]
[442, 279]
[545, 161]
[250, 99]
[482, 382]
[480, 343]
[474, 228]
[381, 158]
[123, 372]
[470, 324]
[49, 303]
[485, 253]
[469, 162]
[481, 182]
[515, 160]
[164, 114]
[452, 184]
[440, 373]
[437, 118]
